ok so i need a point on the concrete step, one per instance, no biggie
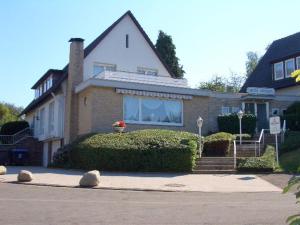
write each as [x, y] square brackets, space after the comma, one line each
[214, 167]
[214, 171]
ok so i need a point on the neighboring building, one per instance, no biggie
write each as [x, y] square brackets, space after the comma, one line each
[120, 75]
[275, 67]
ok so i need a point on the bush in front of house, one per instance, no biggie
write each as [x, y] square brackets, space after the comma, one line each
[11, 128]
[230, 123]
[291, 142]
[264, 163]
[292, 117]
[217, 144]
[143, 150]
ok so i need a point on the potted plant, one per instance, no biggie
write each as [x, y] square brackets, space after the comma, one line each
[119, 126]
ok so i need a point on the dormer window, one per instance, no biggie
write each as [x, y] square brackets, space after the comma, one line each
[278, 71]
[147, 71]
[289, 67]
[298, 62]
[101, 67]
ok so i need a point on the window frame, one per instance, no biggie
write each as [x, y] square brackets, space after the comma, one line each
[297, 63]
[274, 65]
[285, 67]
[140, 69]
[141, 122]
[105, 65]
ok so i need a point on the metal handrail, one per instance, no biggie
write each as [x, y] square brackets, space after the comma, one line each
[234, 154]
[15, 138]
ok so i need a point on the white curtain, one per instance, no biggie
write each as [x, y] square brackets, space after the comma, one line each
[131, 108]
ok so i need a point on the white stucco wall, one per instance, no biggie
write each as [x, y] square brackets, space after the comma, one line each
[112, 50]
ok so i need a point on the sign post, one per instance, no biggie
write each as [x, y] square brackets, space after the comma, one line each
[275, 129]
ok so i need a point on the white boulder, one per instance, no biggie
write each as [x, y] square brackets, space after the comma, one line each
[3, 170]
[90, 179]
[25, 176]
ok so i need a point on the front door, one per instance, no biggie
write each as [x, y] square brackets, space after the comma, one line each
[262, 121]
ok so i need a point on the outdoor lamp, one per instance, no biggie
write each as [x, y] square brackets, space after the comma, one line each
[199, 124]
[240, 116]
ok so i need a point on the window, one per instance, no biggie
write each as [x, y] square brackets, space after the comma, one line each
[152, 111]
[278, 71]
[275, 111]
[99, 68]
[37, 94]
[49, 83]
[51, 118]
[289, 67]
[42, 121]
[147, 71]
[298, 62]
[225, 110]
[40, 90]
[127, 41]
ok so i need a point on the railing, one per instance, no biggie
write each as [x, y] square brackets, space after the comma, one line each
[234, 154]
[15, 138]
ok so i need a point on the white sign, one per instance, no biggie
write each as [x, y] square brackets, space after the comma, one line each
[260, 91]
[275, 125]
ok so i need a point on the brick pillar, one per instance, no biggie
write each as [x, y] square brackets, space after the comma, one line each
[75, 77]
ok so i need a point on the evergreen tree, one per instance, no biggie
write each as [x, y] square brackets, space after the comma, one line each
[167, 51]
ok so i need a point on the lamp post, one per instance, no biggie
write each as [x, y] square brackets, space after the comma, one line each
[199, 124]
[240, 116]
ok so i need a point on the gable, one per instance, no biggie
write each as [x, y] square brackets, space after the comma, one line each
[112, 50]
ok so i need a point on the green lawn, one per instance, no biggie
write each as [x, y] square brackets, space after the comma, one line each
[290, 161]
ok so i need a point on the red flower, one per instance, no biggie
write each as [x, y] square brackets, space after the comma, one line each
[122, 123]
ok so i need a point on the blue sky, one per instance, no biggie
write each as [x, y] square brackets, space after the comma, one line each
[212, 37]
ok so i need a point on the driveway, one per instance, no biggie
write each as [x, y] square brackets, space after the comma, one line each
[149, 181]
[35, 205]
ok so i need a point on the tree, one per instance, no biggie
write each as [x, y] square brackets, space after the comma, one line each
[251, 63]
[223, 84]
[9, 112]
[217, 83]
[295, 181]
[167, 51]
[296, 75]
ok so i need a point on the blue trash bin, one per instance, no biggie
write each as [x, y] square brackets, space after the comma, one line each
[19, 157]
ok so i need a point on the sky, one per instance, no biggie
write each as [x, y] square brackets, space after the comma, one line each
[212, 37]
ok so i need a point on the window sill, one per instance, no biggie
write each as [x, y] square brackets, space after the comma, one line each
[155, 123]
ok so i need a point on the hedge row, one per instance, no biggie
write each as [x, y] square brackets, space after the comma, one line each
[144, 150]
[291, 142]
[265, 163]
[292, 117]
[11, 128]
[217, 144]
[230, 123]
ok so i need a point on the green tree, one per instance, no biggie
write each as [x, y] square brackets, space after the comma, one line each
[295, 181]
[167, 51]
[217, 83]
[9, 112]
[251, 63]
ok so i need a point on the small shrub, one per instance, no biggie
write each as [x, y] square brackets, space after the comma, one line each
[244, 136]
[217, 144]
[265, 163]
[230, 123]
[292, 117]
[291, 142]
[143, 150]
[11, 128]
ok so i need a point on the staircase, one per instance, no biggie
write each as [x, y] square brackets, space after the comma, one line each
[214, 165]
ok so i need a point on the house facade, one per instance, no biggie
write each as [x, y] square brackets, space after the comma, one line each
[120, 76]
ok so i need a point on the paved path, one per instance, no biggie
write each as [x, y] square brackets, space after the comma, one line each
[35, 205]
[151, 181]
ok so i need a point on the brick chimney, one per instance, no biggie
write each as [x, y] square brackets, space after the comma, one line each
[75, 77]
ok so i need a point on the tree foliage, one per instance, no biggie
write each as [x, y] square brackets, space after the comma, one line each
[223, 84]
[251, 63]
[294, 182]
[167, 51]
[8, 112]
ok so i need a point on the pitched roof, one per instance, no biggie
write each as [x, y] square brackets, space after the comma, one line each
[279, 50]
[50, 71]
[87, 51]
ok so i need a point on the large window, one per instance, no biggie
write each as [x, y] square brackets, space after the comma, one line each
[51, 118]
[298, 62]
[99, 68]
[289, 67]
[152, 111]
[278, 71]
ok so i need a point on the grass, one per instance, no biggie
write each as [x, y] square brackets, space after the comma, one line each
[290, 161]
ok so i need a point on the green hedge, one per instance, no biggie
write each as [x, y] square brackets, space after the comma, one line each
[291, 142]
[217, 144]
[144, 150]
[11, 128]
[230, 123]
[292, 117]
[265, 163]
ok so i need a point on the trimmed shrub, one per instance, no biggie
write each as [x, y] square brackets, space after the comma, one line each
[292, 117]
[244, 136]
[11, 128]
[217, 144]
[265, 163]
[230, 123]
[144, 150]
[291, 142]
